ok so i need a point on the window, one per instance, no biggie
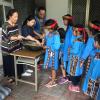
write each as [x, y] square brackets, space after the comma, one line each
[79, 11]
[5, 6]
[1, 15]
[8, 1]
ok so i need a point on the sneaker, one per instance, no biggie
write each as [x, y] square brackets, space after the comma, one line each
[63, 80]
[29, 71]
[74, 88]
[26, 74]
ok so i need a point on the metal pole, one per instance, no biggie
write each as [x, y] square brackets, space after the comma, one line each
[36, 80]
[87, 12]
[70, 6]
[15, 65]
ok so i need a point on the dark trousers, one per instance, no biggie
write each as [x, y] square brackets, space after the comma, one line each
[75, 80]
[8, 66]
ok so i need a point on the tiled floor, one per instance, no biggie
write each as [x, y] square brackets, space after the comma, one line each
[26, 92]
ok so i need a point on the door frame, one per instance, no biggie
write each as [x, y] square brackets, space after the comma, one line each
[87, 10]
[8, 4]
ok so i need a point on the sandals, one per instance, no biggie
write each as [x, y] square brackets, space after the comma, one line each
[51, 84]
[74, 88]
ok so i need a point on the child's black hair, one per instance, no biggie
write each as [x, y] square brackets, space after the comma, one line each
[62, 34]
[83, 32]
[97, 38]
[29, 18]
[49, 22]
[94, 31]
[78, 26]
[70, 23]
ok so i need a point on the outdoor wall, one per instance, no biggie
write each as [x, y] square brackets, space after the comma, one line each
[27, 7]
[56, 9]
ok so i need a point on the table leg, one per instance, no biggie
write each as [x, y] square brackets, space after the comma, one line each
[36, 80]
[15, 66]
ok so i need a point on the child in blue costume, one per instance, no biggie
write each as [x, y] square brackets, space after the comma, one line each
[73, 68]
[92, 79]
[87, 54]
[52, 40]
[67, 20]
[62, 37]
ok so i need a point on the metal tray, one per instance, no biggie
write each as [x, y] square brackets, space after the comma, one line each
[31, 45]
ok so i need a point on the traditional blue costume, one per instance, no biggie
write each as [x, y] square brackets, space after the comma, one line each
[61, 53]
[76, 51]
[67, 45]
[98, 93]
[52, 50]
[91, 83]
[88, 52]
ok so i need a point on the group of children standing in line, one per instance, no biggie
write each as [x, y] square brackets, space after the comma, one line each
[76, 51]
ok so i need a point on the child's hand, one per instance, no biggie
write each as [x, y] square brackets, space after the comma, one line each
[44, 47]
[81, 63]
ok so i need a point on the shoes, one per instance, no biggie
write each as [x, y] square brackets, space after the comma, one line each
[63, 80]
[51, 84]
[26, 74]
[74, 88]
[29, 71]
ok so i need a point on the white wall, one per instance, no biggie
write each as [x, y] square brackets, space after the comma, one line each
[56, 9]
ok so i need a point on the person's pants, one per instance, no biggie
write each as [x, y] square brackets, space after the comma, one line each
[75, 80]
[8, 66]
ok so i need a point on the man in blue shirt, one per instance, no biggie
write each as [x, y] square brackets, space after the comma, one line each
[40, 20]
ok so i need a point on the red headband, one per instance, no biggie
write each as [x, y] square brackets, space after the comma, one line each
[81, 29]
[53, 25]
[68, 17]
[84, 33]
[95, 27]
